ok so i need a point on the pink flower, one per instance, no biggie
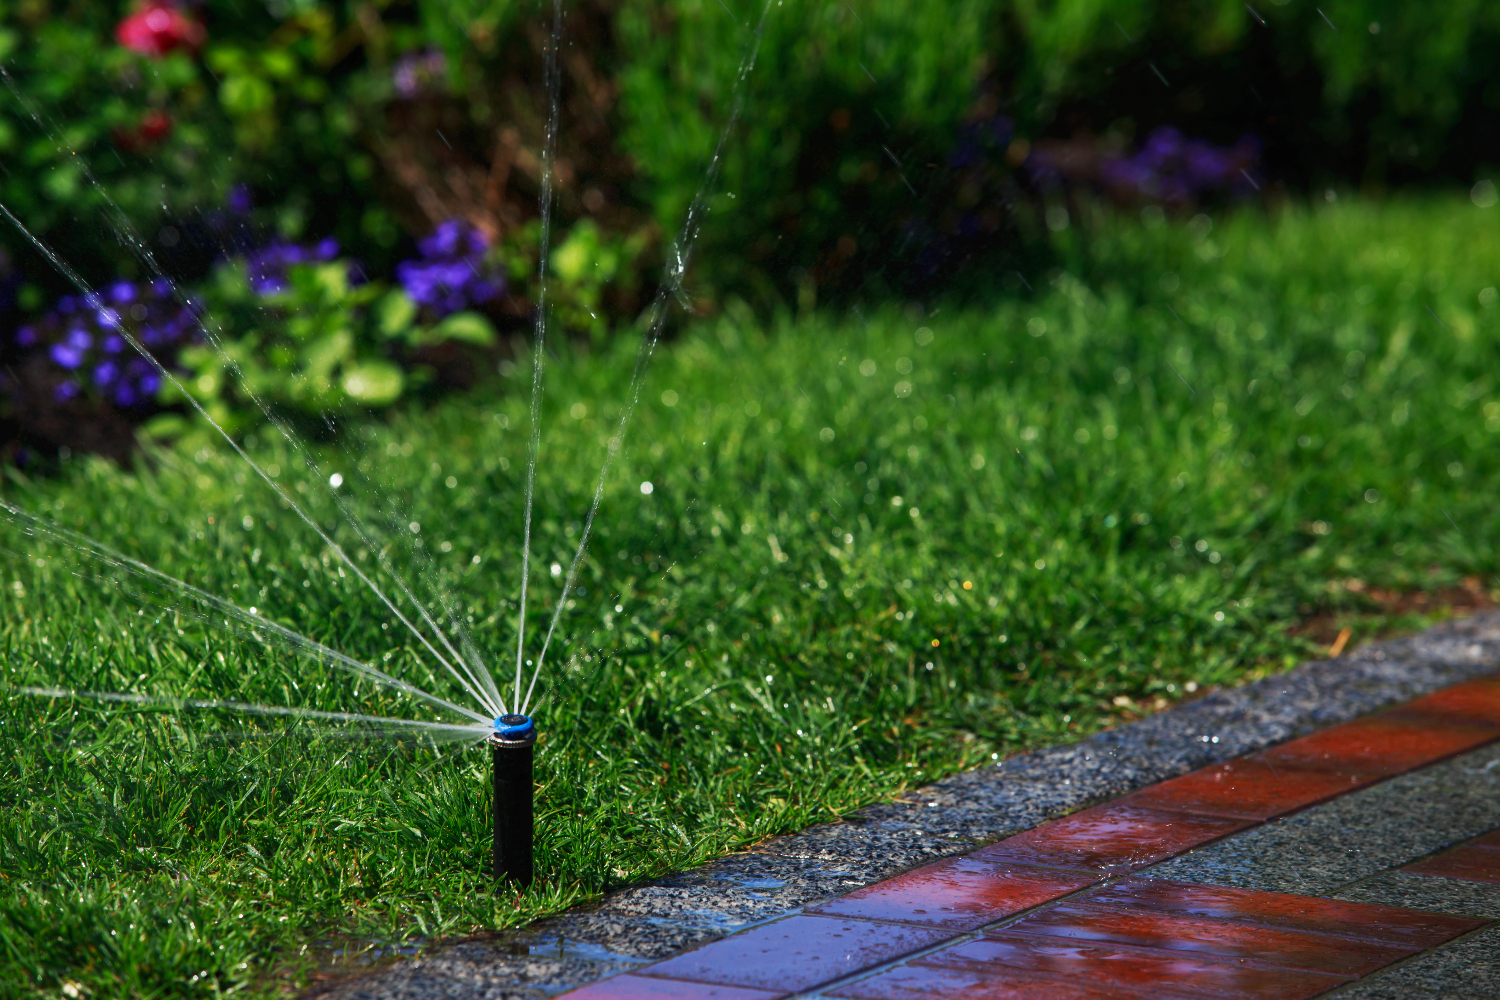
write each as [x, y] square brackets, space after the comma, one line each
[158, 28]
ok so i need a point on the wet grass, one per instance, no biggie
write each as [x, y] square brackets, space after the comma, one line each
[874, 551]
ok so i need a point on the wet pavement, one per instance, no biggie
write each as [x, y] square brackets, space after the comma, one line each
[1284, 839]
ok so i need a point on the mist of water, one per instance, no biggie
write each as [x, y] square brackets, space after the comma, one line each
[466, 668]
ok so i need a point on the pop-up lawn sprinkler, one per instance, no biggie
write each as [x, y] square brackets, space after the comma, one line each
[512, 741]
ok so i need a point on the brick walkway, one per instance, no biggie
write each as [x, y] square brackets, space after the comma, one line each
[1219, 883]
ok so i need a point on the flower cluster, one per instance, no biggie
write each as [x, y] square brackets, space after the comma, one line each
[267, 266]
[85, 340]
[451, 274]
[419, 72]
[159, 27]
[1173, 168]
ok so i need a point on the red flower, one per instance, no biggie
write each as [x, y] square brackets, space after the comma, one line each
[155, 127]
[158, 28]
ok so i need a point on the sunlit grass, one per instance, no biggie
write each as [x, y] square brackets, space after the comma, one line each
[874, 552]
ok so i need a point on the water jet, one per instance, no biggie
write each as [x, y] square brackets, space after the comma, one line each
[512, 743]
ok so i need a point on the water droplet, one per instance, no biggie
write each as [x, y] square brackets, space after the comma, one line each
[647, 488]
[335, 480]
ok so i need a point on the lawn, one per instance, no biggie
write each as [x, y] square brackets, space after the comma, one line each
[877, 548]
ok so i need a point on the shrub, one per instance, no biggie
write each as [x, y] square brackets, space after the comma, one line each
[877, 150]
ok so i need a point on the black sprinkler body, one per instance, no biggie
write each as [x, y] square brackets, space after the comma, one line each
[514, 737]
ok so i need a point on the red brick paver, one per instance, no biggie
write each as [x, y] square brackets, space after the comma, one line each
[797, 953]
[958, 894]
[1115, 837]
[1143, 969]
[632, 987]
[1081, 926]
[1478, 860]
[1410, 929]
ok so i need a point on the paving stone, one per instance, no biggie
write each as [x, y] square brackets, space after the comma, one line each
[1466, 970]
[958, 894]
[798, 953]
[1248, 788]
[1148, 971]
[1319, 850]
[1475, 701]
[1109, 838]
[1382, 745]
[930, 982]
[1422, 892]
[1225, 940]
[1477, 861]
[471, 971]
[1397, 924]
[628, 987]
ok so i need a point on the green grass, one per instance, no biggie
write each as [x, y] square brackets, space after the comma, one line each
[1057, 512]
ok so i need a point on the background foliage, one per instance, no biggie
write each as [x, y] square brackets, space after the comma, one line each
[375, 122]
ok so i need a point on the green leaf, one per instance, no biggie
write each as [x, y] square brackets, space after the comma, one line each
[333, 279]
[165, 427]
[394, 313]
[320, 356]
[246, 95]
[469, 327]
[374, 383]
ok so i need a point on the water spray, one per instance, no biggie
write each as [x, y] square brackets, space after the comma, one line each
[512, 742]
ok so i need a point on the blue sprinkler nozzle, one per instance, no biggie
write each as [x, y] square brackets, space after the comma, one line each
[512, 743]
[515, 728]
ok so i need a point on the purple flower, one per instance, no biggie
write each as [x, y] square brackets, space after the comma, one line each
[1129, 173]
[327, 248]
[72, 334]
[451, 273]
[65, 357]
[444, 240]
[1163, 145]
[239, 201]
[418, 71]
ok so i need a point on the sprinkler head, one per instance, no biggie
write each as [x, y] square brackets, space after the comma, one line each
[514, 729]
[512, 744]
